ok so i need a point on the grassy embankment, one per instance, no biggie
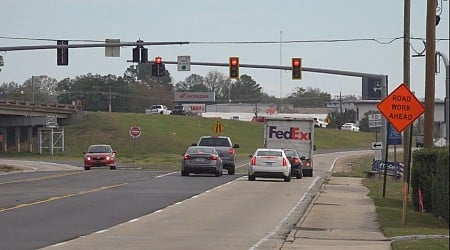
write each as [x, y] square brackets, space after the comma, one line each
[390, 209]
[165, 137]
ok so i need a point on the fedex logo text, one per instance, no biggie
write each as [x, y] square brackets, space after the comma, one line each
[291, 134]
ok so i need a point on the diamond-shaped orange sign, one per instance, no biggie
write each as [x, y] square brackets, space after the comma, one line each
[401, 107]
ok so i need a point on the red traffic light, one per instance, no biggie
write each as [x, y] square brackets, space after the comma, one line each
[295, 62]
[158, 60]
[234, 61]
[234, 68]
[296, 68]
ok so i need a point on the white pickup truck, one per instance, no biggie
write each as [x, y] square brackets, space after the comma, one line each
[158, 109]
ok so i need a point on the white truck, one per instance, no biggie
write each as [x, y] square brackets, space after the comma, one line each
[295, 133]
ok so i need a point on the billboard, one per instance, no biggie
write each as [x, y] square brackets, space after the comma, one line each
[195, 97]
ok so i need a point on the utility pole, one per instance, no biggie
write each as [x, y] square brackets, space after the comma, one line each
[429, 73]
[406, 80]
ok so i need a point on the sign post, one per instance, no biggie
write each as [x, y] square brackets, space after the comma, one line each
[135, 132]
[401, 108]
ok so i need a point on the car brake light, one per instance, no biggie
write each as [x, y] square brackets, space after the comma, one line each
[253, 160]
[213, 158]
[284, 162]
[230, 151]
[186, 157]
[296, 160]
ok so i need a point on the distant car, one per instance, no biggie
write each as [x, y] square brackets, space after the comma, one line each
[269, 163]
[181, 110]
[158, 109]
[224, 146]
[350, 127]
[100, 155]
[201, 160]
[296, 162]
[320, 123]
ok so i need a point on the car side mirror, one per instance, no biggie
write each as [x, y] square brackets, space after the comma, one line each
[83, 152]
[314, 148]
[302, 158]
[250, 156]
[236, 146]
[194, 144]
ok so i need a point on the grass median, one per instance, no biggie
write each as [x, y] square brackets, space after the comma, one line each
[390, 207]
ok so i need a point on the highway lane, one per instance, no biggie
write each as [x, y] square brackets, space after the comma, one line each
[38, 209]
[132, 209]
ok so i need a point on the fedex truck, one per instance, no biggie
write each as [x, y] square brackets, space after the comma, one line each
[295, 133]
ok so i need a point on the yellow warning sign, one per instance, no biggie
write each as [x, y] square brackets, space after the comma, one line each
[217, 127]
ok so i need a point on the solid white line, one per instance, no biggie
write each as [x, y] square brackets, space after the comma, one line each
[101, 231]
[134, 220]
[277, 228]
[163, 175]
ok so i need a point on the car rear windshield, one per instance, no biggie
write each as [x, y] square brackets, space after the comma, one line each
[269, 153]
[215, 142]
[99, 149]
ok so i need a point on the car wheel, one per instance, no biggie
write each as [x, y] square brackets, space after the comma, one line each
[217, 174]
[299, 175]
[251, 178]
[112, 167]
[87, 168]
[231, 170]
[184, 173]
[287, 178]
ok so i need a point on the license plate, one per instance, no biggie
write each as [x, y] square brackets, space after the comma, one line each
[199, 160]
[268, 163]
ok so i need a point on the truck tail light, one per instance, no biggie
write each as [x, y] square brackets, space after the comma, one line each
[230, 151]
[284, 162]
[253, 162]
[186, 157]
[308, 164]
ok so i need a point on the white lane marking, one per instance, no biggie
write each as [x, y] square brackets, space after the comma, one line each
[134, 220]
[163, 175]
[101, 231]
[280, 224]
[178, 203]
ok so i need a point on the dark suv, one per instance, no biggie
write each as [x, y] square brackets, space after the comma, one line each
[225, 148]
[181, 110]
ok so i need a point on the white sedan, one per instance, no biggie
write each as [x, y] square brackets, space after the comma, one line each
[350, 127]
[269, 163]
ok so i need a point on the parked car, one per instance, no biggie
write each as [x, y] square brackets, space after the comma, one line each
[320, 123]
[181, 110]
[296, 162]
[158, 109]
[350, 127]
[100, 155]
[269, 163]
[201, 160]
[225, 147]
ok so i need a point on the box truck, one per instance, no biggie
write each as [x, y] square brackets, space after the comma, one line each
[295, 133]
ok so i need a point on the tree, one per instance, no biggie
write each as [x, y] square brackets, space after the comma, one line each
[41, 89]
[246, 90]
[192, 83]
[310, 97]
[220, 84]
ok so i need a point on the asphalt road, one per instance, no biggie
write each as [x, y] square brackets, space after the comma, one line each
[134, 209]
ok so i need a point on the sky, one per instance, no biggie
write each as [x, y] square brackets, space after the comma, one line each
[209, 27]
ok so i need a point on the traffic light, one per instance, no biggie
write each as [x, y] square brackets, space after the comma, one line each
[62, 54]
[296, 68]
[234, 67]
[136, 54]
[144, 55]
[158, 68]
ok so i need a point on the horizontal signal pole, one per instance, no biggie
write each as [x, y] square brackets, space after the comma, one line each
[88, 45]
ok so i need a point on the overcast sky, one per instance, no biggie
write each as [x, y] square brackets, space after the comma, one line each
[209, 25]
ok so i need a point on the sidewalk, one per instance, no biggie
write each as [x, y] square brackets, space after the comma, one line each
[342, 216]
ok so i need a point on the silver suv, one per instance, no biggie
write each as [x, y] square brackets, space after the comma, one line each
[225, 148]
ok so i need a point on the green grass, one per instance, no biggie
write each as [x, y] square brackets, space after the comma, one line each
[165, 137]
[390, 209]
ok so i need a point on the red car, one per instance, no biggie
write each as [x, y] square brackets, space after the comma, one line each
[100, 155]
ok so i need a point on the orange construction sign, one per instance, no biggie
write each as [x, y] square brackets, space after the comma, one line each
[401, 107]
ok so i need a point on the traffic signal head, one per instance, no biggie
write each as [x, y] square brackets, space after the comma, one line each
[136, 56]
[144, 55]
[158, 68]
[234, 67]
[296, 68]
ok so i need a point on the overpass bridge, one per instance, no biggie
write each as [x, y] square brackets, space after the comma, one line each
[25, 124]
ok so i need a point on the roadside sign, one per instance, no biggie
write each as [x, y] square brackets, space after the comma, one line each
[394, 137]
[374, 117]
[377, 145]
[375, 124]
[135, 132]
[217, 127]
[401, 107]
[184, 63]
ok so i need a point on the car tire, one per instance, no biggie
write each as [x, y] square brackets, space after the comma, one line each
[217, 173]
[287, 178]
[112, 168]
[251, 177]
[87, 168]
[299, 176]
[231, 170]
[184, 173]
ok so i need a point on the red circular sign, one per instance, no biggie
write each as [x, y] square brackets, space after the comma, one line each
[135, 132]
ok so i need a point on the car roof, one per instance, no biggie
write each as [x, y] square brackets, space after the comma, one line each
[99, 145]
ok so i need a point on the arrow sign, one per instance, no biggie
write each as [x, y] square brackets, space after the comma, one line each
[377, 145]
